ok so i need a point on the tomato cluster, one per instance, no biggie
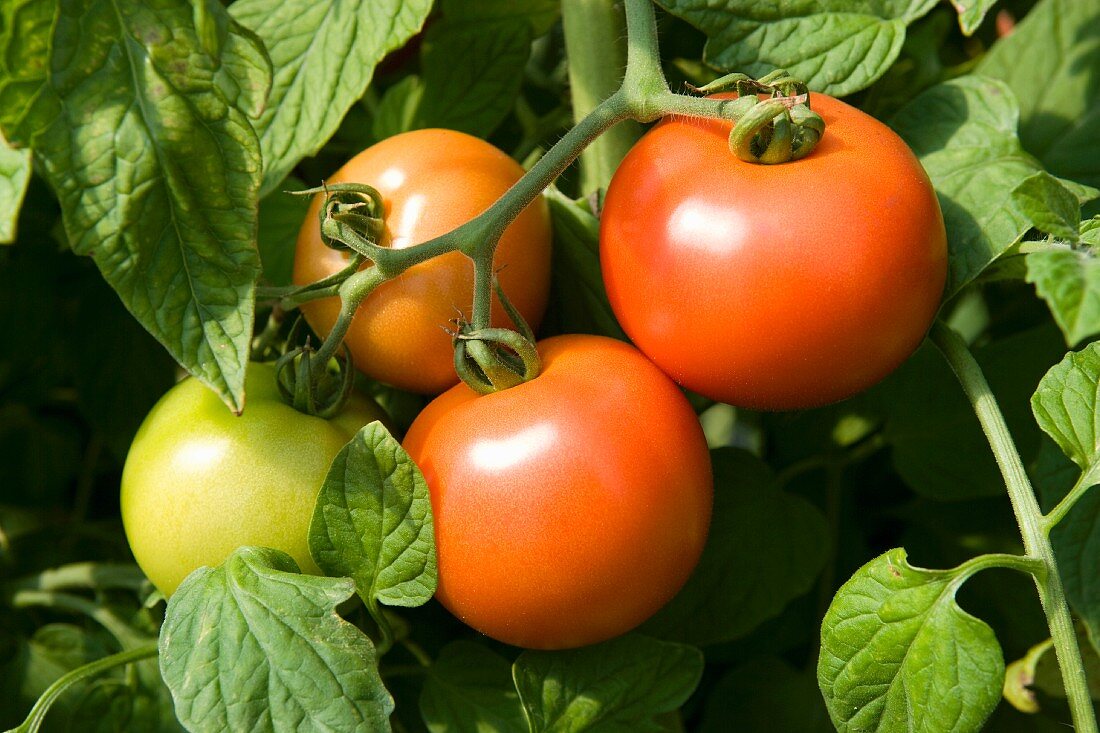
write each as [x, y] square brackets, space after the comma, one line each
[570, 508]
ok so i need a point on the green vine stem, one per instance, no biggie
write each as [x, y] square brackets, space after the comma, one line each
[67, 680]
[1030, 519]
[595, 45]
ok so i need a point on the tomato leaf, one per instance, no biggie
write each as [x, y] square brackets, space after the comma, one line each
[619, 686]
[539, 14]
[936, 442]
[898, 653]
[469, 689]
[1067, 407]
[472, 72]
[765, 694]
[835, 46]
[1068, 279]
[373, 522]
[281, 217]
[253, 645]
[578, 300]
[26, 30]
[324, 54]
[15, 174]
[149, 146]
[972, 13]
[748, 571]
[1050, 63]
[964, 132]
[1049, 205]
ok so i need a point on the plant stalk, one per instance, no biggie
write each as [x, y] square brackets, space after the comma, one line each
[595, 44]
[1030, 520]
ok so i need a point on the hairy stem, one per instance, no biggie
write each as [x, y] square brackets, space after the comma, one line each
[595, 44]
[1030, 520]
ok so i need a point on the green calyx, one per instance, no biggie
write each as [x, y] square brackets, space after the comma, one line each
[309, 383]
[351, 216]
[778, 129]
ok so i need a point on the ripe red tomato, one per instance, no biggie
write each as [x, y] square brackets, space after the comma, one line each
[431, 181]
[774, 286]
[570, 508]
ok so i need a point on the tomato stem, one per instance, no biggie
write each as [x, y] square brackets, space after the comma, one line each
[595, 44]
[67, 680]
[1029, 518]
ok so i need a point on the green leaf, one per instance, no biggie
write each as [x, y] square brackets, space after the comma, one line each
[964, 132]
[619, 686]
[397, 110]
[324, 54]
[1068, 280]
[1049, 205]
[1050, 61]
[252, 645]
[765, 694]
[836, 46]
[972, 13]
[373, 522]
[540, 14]
[26, 28]
[152, 154]
[936, 442]
[15, 174]
[899, 654]
[469, 689]
[1067, 407]
[472, 73]
[578, 300]
[281, 216]
[111, 393]
[748, 571]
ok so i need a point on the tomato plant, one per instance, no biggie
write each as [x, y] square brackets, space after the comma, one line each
[431, 181]
[200, 482]
[774, 287]
[731, 354]
[558, 524]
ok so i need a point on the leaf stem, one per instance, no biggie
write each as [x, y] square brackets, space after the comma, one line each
[67, 680]
[1029, 518]
[1085, 482]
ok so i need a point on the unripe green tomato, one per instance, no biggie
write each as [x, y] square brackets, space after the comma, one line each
[200, 481]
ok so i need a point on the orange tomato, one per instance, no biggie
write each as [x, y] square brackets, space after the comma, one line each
[431, 181]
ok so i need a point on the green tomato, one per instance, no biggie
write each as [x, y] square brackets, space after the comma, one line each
[200, 481]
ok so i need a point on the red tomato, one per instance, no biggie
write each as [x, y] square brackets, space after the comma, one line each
[774, 286]
[570, 508]
[431, 181]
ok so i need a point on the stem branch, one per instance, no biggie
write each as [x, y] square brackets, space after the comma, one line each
[1030, 520]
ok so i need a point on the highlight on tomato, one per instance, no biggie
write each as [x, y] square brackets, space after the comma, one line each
[200, 482]
[570, 508]
[431, 182]
[774, 287]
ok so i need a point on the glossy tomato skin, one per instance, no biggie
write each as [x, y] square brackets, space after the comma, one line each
[200, 481]
[774, 286]
[570, 508]
[431, 181]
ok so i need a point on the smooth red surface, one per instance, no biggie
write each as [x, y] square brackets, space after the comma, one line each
[431, 181]
[570, 508]
[774, 287]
